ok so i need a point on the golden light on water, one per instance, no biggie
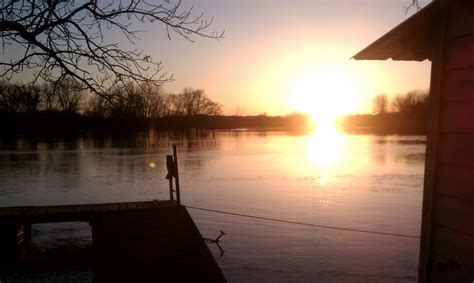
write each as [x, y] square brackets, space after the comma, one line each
[324, 179]
[325, 95]
[326, 148]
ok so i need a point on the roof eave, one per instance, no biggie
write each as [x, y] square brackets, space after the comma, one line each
[409, 41]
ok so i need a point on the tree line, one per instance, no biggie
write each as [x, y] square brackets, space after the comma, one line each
[414, 102]
[402, 114]
[129, 101]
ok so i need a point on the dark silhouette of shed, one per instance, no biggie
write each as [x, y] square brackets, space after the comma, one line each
[443, 32]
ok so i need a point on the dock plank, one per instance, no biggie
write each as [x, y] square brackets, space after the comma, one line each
[76, 212]
[114, 207]
[153, 245]
[142, 205]
[151, 204]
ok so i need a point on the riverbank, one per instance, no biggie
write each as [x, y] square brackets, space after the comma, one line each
[58, 123]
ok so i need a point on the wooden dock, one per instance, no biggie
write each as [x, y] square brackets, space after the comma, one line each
[132, 241]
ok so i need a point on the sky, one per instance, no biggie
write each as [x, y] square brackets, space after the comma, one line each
[282, 56]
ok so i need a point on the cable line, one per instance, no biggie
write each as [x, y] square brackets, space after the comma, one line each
[304, 224]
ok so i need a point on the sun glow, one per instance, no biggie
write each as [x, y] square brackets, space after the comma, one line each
[326, 147]
[325, 95]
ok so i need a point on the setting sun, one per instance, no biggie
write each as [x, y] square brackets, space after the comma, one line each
[325, 95]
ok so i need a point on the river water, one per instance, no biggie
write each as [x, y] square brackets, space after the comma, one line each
[363, 182]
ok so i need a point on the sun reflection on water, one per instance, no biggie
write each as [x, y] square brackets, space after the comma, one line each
[325, 148]
[324, 179]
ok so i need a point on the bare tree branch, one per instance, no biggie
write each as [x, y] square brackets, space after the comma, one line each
[67, 38]
[413, 4]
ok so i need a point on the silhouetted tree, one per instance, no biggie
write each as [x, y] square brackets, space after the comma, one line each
[8, 98]
[68, 93]
[57, 39]
[31, 98]
[48, 99]
[380, 104]
[19, 98]
[155, 103]
[239, 111]
[411, 102]
[96, 106]
[194, 102]
[128, 102]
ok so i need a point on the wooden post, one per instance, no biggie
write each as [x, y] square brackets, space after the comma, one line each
[176, 174]
[169, 176]
[26, 233]
[424, 265]
[95, 227]
[171, 189]
[9, 241]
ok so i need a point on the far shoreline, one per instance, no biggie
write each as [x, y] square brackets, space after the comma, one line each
[47, 124]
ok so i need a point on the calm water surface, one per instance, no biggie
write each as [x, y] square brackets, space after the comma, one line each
[354, 181]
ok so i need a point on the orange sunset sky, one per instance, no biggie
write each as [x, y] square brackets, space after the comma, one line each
[282, 56]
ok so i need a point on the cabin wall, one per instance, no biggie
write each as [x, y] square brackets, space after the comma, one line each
[451, 251]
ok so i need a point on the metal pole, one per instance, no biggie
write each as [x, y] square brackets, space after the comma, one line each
[176, 172]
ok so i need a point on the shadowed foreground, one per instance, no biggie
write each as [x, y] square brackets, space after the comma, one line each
[132, 242]
[153, 245]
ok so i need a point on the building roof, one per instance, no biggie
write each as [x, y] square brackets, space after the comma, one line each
[412, 40]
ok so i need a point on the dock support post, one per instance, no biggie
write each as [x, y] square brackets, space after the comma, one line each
[171, 189]
[170, 175]
[9, 247]
[175, 157]
[95, 227]
[26, 233]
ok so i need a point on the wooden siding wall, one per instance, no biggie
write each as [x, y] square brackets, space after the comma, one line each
[452, 228]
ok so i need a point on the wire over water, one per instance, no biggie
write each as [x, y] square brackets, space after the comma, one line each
[305, 224]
